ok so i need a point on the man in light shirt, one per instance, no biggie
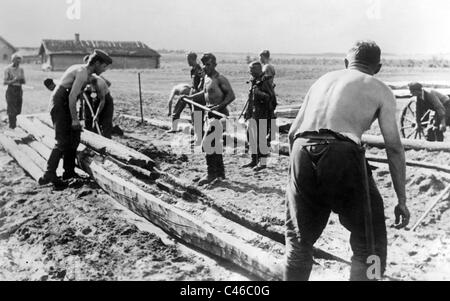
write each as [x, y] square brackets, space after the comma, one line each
[14, 78]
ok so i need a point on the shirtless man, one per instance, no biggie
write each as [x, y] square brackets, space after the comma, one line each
[197, 115]
[328, 170]
[218, 94]
[268, 69]
[64, 116]
[103, 106]
[179, 90]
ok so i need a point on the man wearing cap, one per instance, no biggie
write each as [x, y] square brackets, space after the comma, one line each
[14, 78]
[218, 94]
[329, 172]
[436, 101]
[258, 117]
[64, 116]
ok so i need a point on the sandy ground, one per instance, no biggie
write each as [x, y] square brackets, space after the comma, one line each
[259, 198]
[83, 234]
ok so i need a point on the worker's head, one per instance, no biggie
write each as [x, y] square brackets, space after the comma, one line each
[209, 63]
[99, 61]
[264, 56]
[255, 69]
[415, 88]
[366, 53]
[192, 59]
[16, 59]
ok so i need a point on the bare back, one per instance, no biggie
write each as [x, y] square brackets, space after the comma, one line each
[347, 101]
[68, 78]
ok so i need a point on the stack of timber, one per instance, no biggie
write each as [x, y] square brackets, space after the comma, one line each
[194, 224]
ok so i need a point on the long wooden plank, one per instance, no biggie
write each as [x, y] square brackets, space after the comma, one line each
[409, 144]
[185, 226]
[24, 161]
[33, 155]
[112, 148]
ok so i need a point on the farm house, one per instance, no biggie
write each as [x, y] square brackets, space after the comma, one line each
[57, 55]
[6, 50]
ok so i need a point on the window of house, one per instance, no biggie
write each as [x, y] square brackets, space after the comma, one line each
[5, 57]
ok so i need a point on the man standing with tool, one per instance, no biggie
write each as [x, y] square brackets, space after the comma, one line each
[64, 116]
[259, 116]
[328, 169]
[218, 94]
[14, 79]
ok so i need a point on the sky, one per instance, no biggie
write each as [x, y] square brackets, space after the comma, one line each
[248, 26]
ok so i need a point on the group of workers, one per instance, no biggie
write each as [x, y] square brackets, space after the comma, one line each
[328, 170]
[209, 94]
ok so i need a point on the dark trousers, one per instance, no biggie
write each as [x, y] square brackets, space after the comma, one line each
[14, 100]
[67, 140]
[324, 178]
[105, 119]
[214, 156]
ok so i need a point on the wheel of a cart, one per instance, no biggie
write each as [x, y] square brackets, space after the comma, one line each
[412, 115]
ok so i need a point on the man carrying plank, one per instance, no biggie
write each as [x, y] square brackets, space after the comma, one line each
[328, 169]
[64, 116]
[435, 101]
[218, 94]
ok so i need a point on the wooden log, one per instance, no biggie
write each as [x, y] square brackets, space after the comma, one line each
[40, 133]
[430, 207]
[22, 159]
[379, 159]
[110, 147]
[409, 144]
[184, 226]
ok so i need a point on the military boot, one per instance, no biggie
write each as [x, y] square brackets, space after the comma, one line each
[252, 163]
[211, 175]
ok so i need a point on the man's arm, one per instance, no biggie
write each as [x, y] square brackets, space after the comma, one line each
[80, 80]
[225, 86]
[6, 80]
[195, 97]
[395, 153]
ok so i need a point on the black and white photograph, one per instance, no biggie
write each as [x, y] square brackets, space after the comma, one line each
[224, 145]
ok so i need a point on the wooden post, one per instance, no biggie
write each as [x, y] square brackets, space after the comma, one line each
[140, 97]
